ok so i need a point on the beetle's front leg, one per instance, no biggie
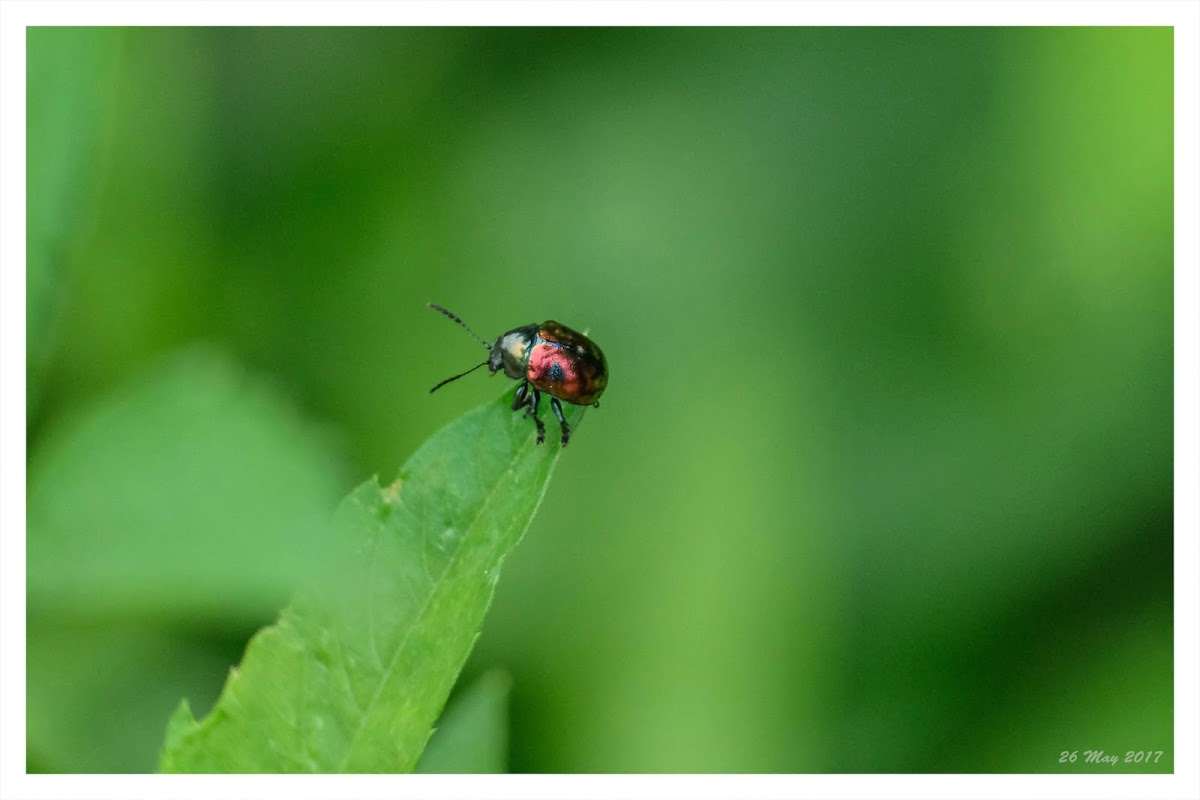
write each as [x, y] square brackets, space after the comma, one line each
[533, 409]
[531, 398]
[521, 396]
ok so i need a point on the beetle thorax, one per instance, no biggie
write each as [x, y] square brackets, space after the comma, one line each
[511, 352]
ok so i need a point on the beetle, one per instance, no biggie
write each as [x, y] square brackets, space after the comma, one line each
[550, 358]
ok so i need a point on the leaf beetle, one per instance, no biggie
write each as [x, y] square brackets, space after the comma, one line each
[550, 358]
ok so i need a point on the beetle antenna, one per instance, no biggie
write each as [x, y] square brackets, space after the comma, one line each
[456, 318]
[456, 377]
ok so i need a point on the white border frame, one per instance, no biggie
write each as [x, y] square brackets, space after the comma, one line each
[1183, 15]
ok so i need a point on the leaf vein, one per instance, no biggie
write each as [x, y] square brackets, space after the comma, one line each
[385, 677]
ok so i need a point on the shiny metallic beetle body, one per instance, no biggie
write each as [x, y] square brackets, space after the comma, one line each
[550, 358]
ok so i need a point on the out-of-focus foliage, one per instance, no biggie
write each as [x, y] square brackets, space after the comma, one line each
[184, 487]
[70, 76]
[472, 734]
[882, 479]
[186, 506]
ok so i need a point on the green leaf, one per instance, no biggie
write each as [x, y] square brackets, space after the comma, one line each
[194, 491]
[472, 735]
[358, 667]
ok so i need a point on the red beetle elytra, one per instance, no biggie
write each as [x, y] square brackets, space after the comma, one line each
[549, 358]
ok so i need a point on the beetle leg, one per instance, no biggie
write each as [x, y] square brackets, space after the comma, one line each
[520, 399]
[532, 408]
[558, 412]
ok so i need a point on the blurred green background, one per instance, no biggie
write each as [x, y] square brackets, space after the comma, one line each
[882, 481]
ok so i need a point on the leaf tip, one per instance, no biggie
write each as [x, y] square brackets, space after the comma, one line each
[181, 723]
